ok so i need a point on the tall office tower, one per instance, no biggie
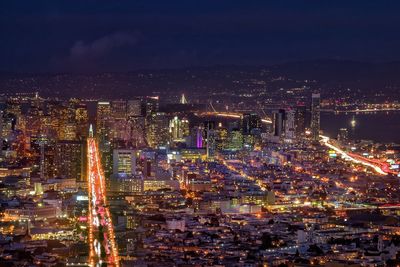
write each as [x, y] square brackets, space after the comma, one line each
[3, 107]
[13, 107]
[279, 122]
[147, 168]
[221, 138]
[44, 149]
[343, 135]
[68, 131]
[118, 109]
[134, 108]
[174, 129]
[103, 134]
[300, 120]
[235, 139]
[36, 106]
[151, 108]
[1, 131]
[137, 125]
[250, 122]
[290, 132]
[178, 129]
[82, 121]
[209, 138]
[195, 139]
[185, 127]
[124, 161]
[120, 130]
[152, 105]
[102, 119]
[157, 130]
[9, 122]
[69, 159]
[315, 116]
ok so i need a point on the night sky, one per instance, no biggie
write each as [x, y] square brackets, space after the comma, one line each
[94, 36]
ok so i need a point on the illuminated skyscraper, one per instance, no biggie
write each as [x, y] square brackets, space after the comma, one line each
[103, 133]
[196, 137]
[102, 117]
[250, 122]
[343, 135]
[235, 140]
[134, 108]
[315, 116]
[178, 128]
[278, 122]
[152, 104]
[210, 138]
[290, 124]
[118, 109]
[137, 125]
[68, 131]
[157, 130]
[82, 121]
[1, 131]
[221, 138]
[69, 159]
[124, 161]
[300, 120]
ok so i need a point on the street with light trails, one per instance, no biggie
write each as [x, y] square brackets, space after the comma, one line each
[101, 238]
[354, 158]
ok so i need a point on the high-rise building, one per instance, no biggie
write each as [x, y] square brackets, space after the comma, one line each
[278, 122]
[315, 116]
[195, 139]
[343, 135]
[43, 148]
[82, 121]
[69, 159]
[124, 161]
[290, 132]
[147, 167]
[134, 108]
[102, 119]
[127, 184]
[250, 122]
[152, 104]
[68, 131]
[118, 109]
[178, 128]
[157, 130]
[300, 120]
[221, 138]
[137, 126]
[1, 131]
[235, 139]
[210, 138]
[103, 133]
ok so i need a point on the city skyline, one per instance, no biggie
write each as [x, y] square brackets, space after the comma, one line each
[199, 133]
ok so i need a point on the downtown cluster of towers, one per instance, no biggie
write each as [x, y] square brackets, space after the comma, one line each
[53, 132]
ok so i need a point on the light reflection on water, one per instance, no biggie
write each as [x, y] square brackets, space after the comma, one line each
[378, 126]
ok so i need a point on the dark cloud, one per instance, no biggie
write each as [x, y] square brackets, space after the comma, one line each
[103, 45]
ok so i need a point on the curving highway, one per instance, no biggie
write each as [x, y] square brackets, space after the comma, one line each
[352, 157]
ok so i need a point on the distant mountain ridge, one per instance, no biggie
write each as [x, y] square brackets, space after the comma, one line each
[328, 75]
